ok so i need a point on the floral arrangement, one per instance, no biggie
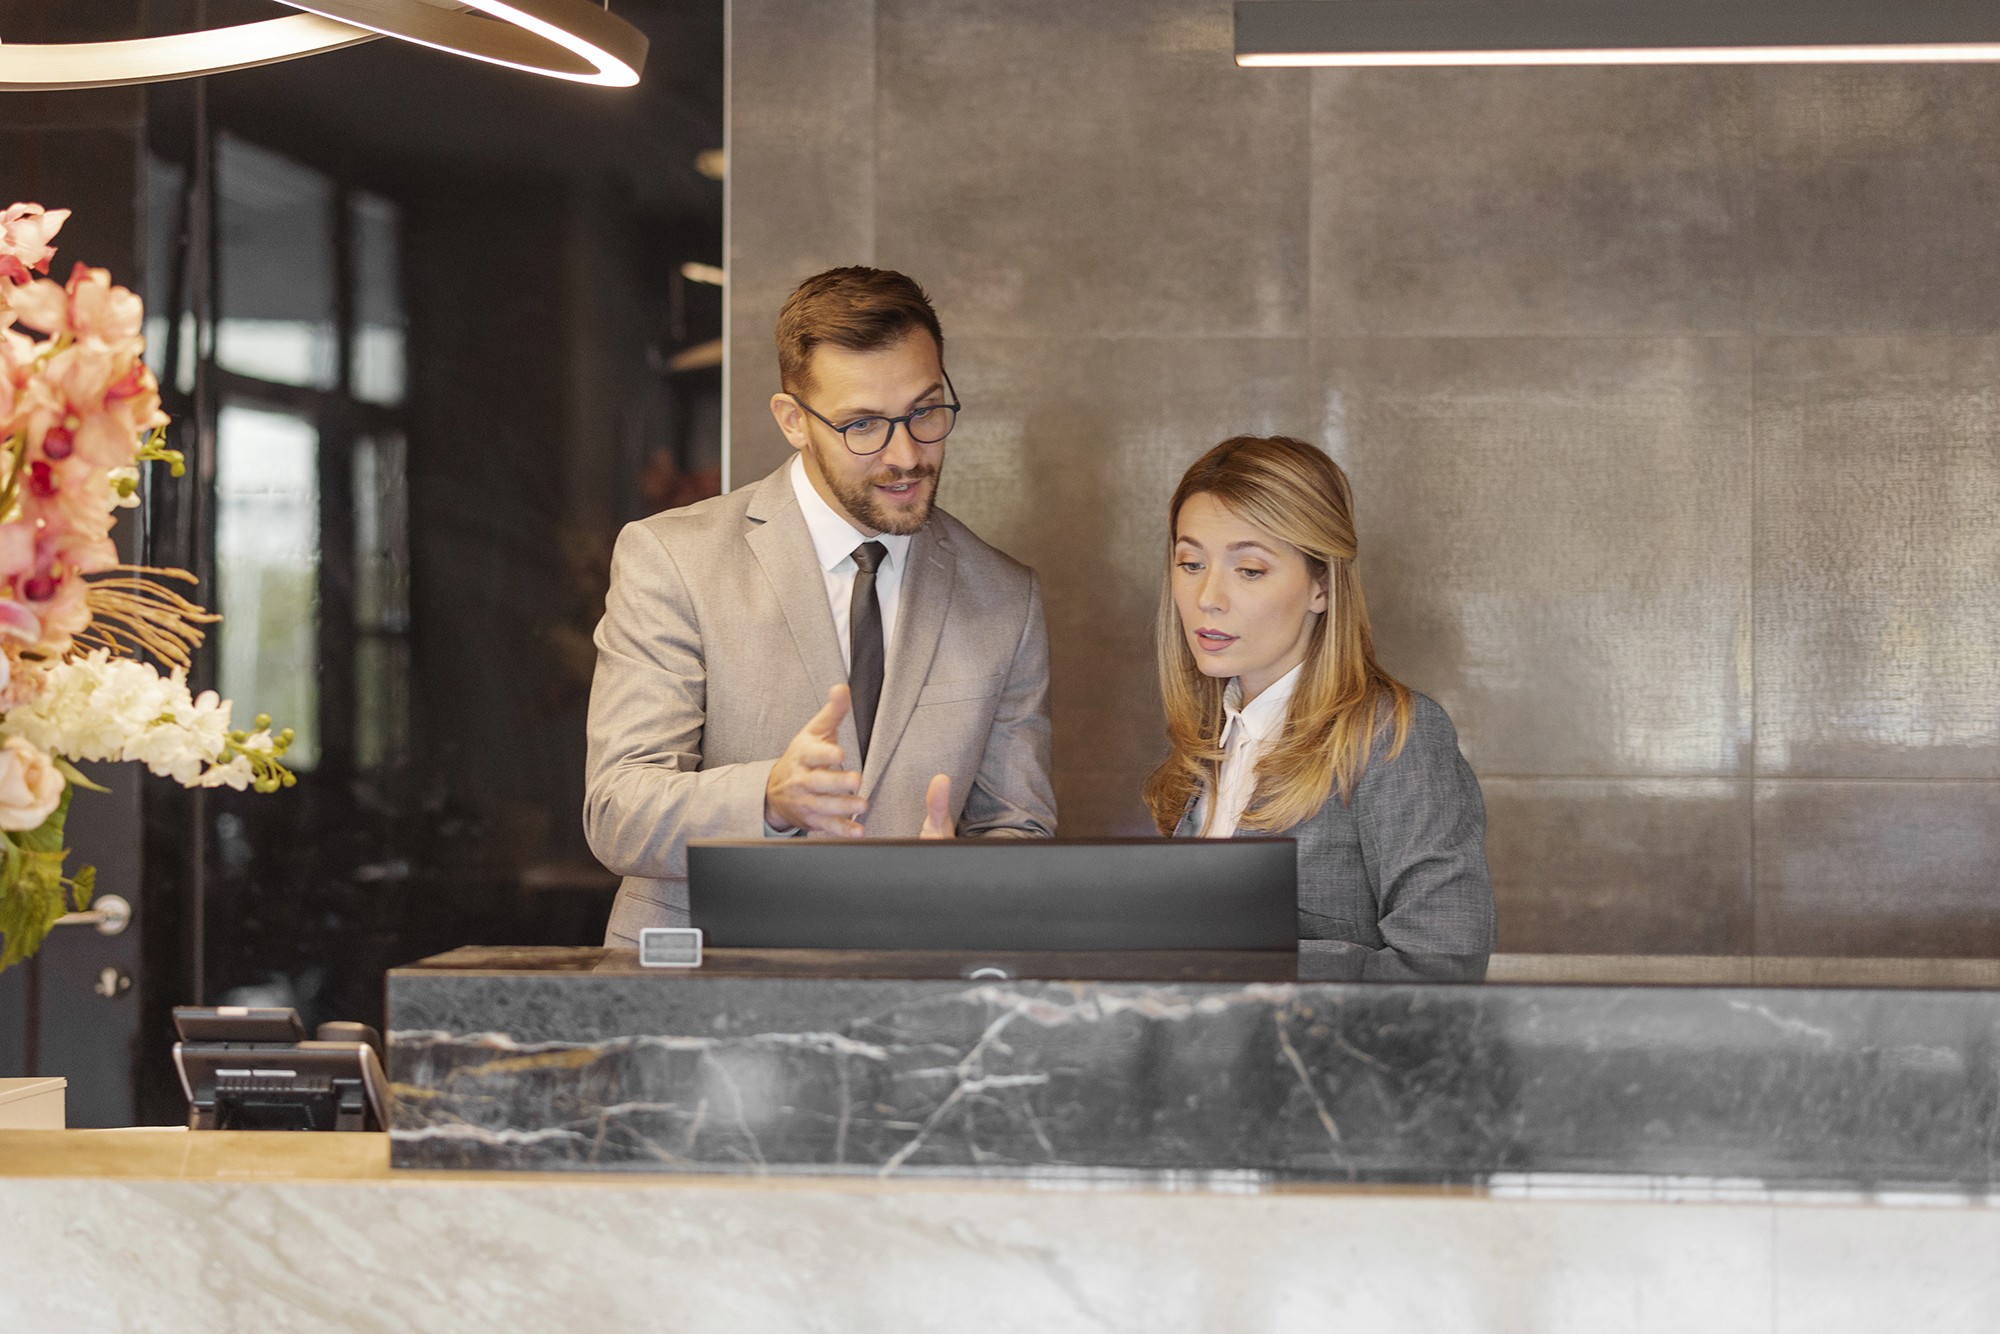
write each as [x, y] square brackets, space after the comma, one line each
[79, 415]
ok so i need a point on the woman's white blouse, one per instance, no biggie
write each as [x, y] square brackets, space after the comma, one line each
[1247, 732]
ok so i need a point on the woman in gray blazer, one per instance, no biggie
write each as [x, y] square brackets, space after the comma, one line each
[1280, 721]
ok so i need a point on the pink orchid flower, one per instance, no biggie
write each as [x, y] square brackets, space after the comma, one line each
[17, 351]
[57, 600]
[74, 500]
[62, 545]
[99, 308]
[109, 399]
[19, 628]
[17, 623]
[41, 305]
[90, 305]
[25, 230]
[56, 592]
[17, 558]
[38, 406]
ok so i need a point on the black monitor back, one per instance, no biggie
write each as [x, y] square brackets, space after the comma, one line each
[995, 894]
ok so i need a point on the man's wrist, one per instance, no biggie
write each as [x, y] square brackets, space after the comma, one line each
[775, 825]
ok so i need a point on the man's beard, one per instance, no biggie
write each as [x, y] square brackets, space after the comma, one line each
[868, 509]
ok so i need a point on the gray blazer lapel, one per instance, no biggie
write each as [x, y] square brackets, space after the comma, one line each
[922, 606]
[784, 549]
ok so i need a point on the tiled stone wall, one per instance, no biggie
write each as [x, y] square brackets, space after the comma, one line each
[1668, 395]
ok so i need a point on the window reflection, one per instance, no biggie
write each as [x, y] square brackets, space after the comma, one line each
[166, 276]
[375, 229]
[381, 601]
[267, 569]
[277, 284]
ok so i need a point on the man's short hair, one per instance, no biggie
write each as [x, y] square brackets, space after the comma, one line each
[857, 308]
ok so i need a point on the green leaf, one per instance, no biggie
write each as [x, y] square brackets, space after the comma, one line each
[49, 836]
[76, 776]
[10, 862]
[31, 900]
[82, 885]
[32, 891]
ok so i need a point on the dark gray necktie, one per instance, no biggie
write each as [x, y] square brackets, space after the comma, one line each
[864, 642]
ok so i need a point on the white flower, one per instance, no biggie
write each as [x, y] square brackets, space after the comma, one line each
[236, 774]
[124, 497]
[100, 707]
[30, 785]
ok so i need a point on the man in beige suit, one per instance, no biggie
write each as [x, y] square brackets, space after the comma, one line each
[823, 651]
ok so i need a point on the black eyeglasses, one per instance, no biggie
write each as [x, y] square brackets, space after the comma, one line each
[871, 435]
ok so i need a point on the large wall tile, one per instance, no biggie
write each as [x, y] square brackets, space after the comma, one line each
[1878, 868]
[1546, 201]
[1876, 192]
[1063, 168]
[1104, 803]
[1533, 294]
[801, 185]
[1066, 456]
[1555, 542]
[1654, 866]
[1878, 557]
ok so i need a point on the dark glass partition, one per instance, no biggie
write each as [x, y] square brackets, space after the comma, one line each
[427, 343]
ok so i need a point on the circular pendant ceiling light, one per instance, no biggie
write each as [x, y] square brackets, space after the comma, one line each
[562, 39]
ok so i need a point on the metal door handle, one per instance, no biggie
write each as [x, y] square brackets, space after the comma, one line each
[109, 913]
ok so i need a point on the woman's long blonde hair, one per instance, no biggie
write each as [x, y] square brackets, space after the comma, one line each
[1301, 497]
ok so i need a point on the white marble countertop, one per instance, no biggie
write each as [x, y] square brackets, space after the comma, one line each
[166, 1230]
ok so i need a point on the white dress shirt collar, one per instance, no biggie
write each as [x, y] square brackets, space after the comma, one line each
[834, 537]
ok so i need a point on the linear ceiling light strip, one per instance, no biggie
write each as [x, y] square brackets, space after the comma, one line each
[563, 39]
[1375, 33]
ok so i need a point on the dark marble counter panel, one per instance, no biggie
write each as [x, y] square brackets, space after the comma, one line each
[773, 1063]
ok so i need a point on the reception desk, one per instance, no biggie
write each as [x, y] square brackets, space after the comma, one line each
[1187, 1067]
[1170, 1145]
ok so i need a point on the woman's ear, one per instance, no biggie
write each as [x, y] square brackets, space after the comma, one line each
[1318, 603]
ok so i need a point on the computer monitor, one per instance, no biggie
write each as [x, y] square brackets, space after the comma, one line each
[995, 894]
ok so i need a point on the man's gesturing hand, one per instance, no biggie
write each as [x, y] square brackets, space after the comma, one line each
[810, 786]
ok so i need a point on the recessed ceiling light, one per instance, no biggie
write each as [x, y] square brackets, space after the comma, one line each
[1378, 33]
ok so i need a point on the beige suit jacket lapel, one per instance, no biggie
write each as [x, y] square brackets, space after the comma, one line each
[922, 606]
[783, 547]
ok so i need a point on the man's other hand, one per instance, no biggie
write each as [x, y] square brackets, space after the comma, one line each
[810, 786]
[937, 809]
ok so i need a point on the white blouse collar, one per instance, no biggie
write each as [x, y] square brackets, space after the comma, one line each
[1264, 715]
